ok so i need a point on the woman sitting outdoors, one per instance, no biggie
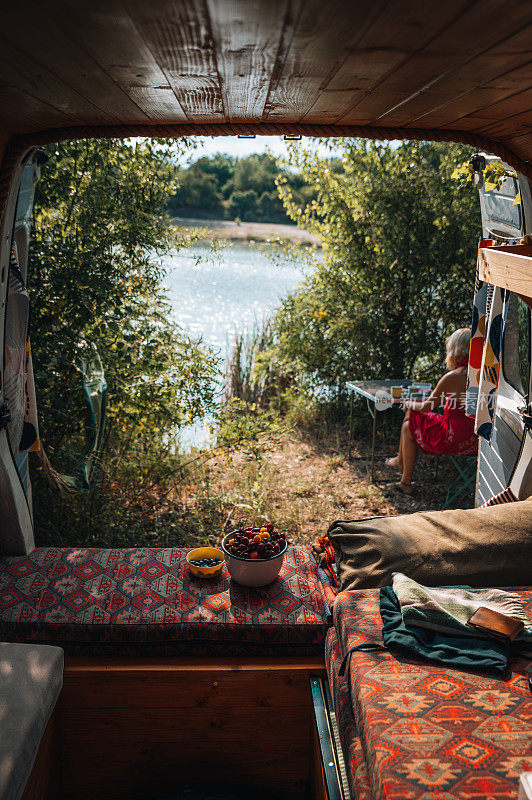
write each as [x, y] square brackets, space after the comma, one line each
[450, 433]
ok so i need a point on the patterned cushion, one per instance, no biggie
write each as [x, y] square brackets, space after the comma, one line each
[357, 774]
[145, 601]
[430, 732]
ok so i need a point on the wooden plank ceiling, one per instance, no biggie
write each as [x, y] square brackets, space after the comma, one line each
[456, 65]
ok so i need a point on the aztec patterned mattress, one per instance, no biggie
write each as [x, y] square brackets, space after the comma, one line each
[144, 601]
[414, 731]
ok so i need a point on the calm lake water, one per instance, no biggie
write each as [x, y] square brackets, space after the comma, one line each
[216, 295]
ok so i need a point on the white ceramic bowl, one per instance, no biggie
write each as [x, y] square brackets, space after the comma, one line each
[252, 572]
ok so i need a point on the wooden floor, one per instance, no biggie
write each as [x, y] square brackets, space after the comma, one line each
[134, 728]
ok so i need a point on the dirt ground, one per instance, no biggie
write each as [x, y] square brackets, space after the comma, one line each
[303, 485]
[248, 231]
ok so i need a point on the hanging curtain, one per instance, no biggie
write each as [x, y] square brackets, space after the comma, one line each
[95, 387]
[19, 389]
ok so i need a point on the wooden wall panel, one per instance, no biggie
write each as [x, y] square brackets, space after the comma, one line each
[132, 727]
[43, 781]
[159, 685]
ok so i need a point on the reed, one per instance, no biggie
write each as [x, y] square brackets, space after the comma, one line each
[244, 380]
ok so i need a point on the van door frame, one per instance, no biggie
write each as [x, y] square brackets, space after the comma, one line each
[509, 399]
[16, 524]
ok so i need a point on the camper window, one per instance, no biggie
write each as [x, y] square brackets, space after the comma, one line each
[516, 354]
[499, 208]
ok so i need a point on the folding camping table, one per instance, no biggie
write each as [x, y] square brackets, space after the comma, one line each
[369, 390]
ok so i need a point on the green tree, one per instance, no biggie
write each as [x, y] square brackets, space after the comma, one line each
[257, 172]
[221, 185]
[398, 263]
[220, 166]
[243, 205]
[198, 190]
[95, 270]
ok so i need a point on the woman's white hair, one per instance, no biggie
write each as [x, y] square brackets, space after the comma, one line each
[457, 346]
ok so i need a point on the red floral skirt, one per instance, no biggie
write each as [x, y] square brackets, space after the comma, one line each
[444, 434]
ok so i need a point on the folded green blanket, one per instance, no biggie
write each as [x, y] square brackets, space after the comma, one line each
[447, 609]
[454, 652]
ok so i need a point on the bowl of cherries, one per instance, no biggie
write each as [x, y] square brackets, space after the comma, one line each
[254, 556]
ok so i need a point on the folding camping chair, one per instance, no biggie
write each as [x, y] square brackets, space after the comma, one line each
[466, 467]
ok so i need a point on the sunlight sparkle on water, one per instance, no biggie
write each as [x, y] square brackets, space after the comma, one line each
[226, 293]
[214, 296]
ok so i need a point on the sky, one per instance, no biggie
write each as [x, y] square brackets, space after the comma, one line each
[233, 146]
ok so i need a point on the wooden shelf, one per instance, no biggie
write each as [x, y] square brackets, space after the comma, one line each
[508, 267]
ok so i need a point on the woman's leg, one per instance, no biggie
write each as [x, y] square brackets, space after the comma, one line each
[397, 461]
[408, 456]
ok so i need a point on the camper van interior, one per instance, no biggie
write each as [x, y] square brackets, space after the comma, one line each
[183, 689]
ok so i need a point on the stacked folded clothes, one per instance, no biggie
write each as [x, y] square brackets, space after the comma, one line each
[325, 556]
[327, 591]
[433, 623]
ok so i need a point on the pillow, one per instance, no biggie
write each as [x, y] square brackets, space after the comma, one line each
[478, 546]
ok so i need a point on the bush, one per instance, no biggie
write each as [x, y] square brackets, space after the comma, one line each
[397, 274]
[95, 271]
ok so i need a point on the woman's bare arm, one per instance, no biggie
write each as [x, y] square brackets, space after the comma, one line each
[446, 385]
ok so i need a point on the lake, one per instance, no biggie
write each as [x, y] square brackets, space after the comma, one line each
[215, 295]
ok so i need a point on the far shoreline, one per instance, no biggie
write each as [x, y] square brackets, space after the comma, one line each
[249, 231]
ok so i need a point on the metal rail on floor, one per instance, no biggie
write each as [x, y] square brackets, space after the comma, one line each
[329, 738]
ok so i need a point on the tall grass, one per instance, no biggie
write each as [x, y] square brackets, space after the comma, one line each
[244, 381]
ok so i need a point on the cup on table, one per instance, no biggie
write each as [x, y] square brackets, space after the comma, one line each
[397, 392]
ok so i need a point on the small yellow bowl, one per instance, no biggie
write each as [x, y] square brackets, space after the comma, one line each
[206, 552]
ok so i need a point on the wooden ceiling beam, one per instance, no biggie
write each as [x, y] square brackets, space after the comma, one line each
[107, 33]
[480, 28]
[37, 36]
[248, 36]
[180, 38]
